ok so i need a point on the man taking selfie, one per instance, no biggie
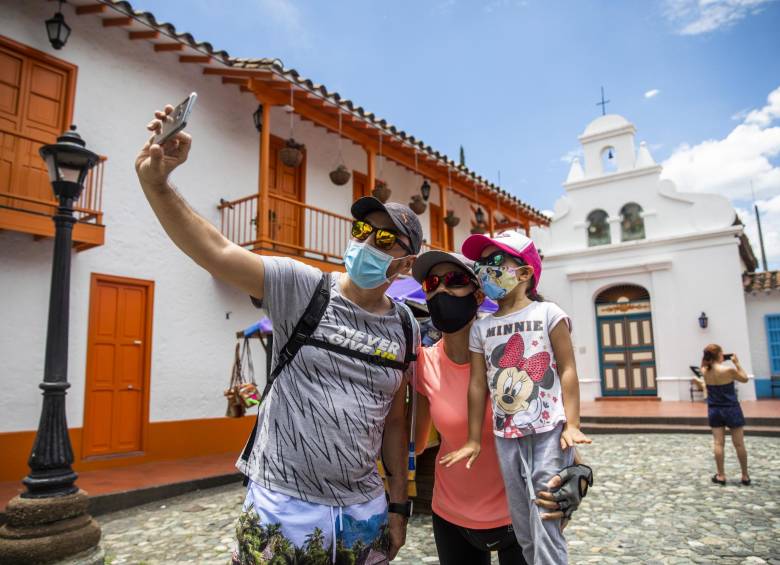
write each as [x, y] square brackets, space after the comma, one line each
[343, 352]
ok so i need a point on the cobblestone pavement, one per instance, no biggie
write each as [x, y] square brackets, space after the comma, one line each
[653, 503]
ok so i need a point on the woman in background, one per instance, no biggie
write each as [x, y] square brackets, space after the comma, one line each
[723, 408]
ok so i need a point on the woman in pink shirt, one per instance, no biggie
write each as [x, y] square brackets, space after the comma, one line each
[470, 513]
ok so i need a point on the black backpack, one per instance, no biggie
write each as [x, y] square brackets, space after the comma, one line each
[302, 335]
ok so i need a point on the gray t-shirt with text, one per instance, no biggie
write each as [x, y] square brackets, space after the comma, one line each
[320, 428]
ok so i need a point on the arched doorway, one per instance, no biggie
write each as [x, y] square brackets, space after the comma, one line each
[625, 333]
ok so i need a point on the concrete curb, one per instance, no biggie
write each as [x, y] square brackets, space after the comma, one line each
[104, 503]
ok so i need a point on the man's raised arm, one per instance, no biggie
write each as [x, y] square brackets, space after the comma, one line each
[191, 233]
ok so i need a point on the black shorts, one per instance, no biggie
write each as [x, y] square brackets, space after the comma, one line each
[457, 545]
[725, 416]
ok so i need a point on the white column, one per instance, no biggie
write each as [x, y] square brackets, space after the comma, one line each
[614, 228]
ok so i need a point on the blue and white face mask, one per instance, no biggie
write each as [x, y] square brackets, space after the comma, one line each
[366, 265]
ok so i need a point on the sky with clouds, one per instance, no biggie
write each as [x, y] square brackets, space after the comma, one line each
[516, 81]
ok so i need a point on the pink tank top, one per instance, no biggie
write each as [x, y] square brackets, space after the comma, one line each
[472, 498]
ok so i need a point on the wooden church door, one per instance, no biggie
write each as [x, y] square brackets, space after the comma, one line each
[625, 339]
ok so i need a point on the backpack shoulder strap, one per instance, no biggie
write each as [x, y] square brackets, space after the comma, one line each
[407, 325]
[305, 327]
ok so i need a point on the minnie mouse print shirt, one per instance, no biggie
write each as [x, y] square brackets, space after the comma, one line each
[521, 370]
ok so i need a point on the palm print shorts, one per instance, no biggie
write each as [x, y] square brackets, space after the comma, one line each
[275, 528]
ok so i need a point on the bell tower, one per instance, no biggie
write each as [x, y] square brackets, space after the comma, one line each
[608, 146]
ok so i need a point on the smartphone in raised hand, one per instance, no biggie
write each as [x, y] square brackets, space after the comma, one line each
[176, 120]
[727, 356]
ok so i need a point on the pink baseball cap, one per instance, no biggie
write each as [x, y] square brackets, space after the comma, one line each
[512, 242]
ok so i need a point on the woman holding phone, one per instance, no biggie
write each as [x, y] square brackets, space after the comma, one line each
[470, 511]
[723, 409]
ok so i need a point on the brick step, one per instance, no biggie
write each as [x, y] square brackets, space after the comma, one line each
[656, 428]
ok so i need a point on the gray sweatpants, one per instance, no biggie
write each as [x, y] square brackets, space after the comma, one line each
[527, 463]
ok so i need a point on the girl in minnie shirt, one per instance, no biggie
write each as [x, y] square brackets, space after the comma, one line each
[523, 355]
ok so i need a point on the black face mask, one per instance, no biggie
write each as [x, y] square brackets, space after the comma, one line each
[451, 313]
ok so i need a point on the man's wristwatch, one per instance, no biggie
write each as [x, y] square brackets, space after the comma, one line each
[402, 508]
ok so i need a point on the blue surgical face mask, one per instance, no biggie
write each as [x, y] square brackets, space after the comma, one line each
[366, 265]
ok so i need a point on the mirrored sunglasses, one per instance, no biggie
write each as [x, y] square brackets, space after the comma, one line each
[383, 238]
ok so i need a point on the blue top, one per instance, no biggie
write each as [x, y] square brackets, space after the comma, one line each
[722, 395]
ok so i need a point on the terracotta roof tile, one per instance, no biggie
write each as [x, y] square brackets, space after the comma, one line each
[766, 281]
[166, 28]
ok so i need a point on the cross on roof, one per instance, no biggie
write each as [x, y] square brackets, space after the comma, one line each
[603, 103]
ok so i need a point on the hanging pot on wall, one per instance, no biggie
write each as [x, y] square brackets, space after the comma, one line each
[479, 228]
[451, 219]
[381, 192]
[292, 153]
[340, 175]
[417, 204]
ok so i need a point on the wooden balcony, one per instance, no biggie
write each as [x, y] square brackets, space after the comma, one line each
[299, 230]
[308, 233]
[27, 202]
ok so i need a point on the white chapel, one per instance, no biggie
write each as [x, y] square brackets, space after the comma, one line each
[648, 274]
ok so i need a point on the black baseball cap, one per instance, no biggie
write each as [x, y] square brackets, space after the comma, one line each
[404, 219]
[430, 259]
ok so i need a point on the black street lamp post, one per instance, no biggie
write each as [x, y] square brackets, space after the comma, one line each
[49, 521]
[68, 162]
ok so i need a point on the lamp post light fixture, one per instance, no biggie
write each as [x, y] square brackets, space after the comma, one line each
[479, 216]
[425, 190]
[57, 30]
[703, 321]
[258, 118]
[49, 521]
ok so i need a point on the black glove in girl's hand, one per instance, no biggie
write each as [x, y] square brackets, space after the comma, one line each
[567, 489]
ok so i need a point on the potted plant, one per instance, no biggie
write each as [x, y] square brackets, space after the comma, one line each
[417, 204]
[381, 192]
[292, 153]
[451, 219]
[340, 175]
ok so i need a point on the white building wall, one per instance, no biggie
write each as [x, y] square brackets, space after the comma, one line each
[688, 262]
[666, 212]
[120, 83]
[760, 305]
[683, 278]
